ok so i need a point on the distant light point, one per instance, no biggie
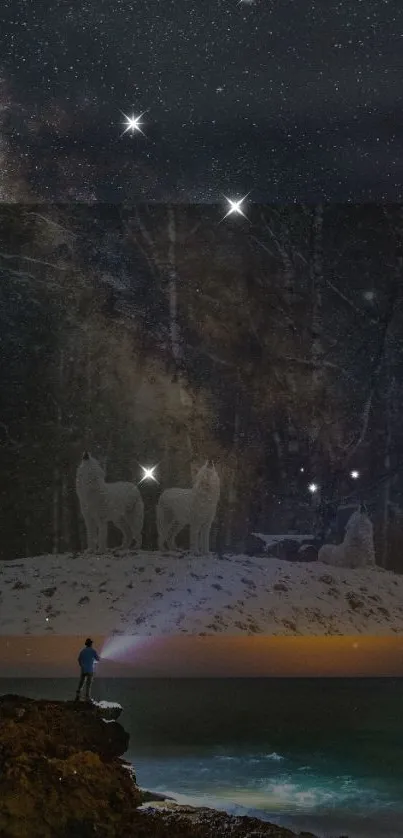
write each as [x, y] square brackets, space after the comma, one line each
[369, 296]
[235, 207]
[313, 488]
[133, 124]
[148, 474]
[354, 474]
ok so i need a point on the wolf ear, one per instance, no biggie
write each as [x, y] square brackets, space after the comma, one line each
[363, 509]
[86, 455]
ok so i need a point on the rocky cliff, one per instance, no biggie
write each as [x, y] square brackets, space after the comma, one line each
[62, 776]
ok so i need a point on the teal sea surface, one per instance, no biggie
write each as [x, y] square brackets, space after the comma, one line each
[324, 755]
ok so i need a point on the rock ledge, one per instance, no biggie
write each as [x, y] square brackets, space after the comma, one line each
[62, 776]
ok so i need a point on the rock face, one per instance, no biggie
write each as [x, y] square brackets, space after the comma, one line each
[207, 823]
[60, 773]
[62, 776]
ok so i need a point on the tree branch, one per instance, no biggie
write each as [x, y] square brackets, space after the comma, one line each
[350, 303]
[308, 362]
[36, 261]
[7, 433]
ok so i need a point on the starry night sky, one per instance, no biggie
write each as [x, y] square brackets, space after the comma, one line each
[289, 99]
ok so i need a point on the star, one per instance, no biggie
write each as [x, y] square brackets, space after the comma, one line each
[133, 123]
[354, 474]
[235, 207]
[313, 488]
[369, 296]
[149, 474]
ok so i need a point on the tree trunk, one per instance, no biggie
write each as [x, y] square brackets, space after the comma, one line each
[57, 488]
[231, 493]
[279, 446]
[172, 288]
[316, 287]
[56, 511]
[175, 343]
[386, 488]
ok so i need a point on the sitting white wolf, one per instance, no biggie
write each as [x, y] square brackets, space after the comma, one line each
[101, 502]
[196, 506]
[357, 549]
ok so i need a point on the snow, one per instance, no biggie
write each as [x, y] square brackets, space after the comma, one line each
[107, 705]
[271, 540]
[154, 593]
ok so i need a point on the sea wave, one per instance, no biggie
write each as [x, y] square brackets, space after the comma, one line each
[324, 825]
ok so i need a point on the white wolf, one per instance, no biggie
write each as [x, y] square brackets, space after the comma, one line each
[101, 502]
[196, 506]
[357, 549]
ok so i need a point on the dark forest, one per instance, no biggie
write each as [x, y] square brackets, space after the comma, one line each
[273, 345]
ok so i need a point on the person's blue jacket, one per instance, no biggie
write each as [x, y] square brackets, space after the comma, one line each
[87, 658]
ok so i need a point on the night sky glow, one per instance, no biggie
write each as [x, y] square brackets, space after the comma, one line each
[297, 101]
[205, 657]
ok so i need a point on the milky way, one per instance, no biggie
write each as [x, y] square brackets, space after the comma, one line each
[293, 100]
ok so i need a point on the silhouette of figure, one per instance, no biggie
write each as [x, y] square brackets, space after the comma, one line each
[86, 660]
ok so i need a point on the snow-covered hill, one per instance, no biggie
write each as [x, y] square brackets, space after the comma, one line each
[160, 593]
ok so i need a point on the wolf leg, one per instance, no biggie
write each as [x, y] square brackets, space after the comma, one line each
[160, 521]
[91, 529]
[137, 524]
[102, 536]
[127, 534]
[173, 531]
[138, 538]
[205, 539]
[195, 532]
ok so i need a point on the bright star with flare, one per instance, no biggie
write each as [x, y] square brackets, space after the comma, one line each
[313, 488]
[235, 207]
[133, 124]
[148, 474]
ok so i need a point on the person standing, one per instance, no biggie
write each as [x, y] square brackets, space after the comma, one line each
[86, 660]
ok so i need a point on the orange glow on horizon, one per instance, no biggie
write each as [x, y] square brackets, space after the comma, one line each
[219, 656]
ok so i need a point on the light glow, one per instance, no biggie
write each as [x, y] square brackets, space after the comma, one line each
[124, 648]
[369, 296]
[148, 474]
[235, 207]
[133, 124]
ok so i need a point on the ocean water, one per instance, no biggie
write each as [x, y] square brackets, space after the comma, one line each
[319, 754]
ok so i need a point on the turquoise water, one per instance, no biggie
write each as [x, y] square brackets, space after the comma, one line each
[318, 754]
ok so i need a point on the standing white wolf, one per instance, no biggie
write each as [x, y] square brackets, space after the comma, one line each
[196, 506]
[357, 549]
[102, 502]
